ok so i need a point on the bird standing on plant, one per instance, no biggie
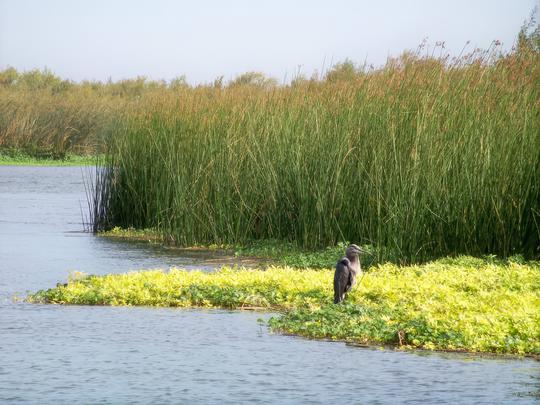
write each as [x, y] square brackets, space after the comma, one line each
[347, 270]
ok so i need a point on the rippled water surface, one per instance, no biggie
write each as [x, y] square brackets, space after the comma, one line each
[71, 354]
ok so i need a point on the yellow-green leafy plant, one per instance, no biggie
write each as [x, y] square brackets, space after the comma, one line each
[462, 304]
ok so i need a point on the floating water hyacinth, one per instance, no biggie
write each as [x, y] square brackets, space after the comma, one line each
[464, 304]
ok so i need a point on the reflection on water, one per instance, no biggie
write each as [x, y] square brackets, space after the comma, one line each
[55, 354]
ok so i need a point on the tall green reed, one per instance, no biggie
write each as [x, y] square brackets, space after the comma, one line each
[421, 158]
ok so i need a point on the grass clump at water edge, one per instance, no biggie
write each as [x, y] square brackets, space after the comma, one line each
[462, 304]
[11, 158]
[276, 252]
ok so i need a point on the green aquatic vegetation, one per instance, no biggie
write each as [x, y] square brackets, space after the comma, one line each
[228, 288]
[290, 254]
[491, 307]
[150, 235]
[462, 304]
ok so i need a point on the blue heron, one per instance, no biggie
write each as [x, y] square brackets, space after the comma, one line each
[347, 269]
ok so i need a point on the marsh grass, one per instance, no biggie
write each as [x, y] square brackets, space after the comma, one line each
[462, 303]
[422, 158]
[50, 126]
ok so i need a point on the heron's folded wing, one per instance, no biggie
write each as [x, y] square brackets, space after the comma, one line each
[342, 273]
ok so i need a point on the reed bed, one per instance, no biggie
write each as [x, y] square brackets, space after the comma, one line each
[41, 124]
[43, 116]
[421, 158]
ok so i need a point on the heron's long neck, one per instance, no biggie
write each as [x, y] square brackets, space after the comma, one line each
[353, 258]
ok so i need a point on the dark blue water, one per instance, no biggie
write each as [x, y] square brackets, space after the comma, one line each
[69, 354]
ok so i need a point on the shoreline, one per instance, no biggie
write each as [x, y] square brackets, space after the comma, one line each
[352, 343]
[267, 252]
[27, 160]
[459, 306]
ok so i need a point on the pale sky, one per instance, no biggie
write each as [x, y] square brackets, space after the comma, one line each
[204, 39]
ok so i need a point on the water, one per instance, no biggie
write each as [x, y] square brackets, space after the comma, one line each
[72, 354]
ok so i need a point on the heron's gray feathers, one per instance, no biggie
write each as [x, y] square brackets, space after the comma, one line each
[343, 273]
[342, 279]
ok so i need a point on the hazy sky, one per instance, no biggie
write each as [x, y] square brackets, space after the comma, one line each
[98, 39]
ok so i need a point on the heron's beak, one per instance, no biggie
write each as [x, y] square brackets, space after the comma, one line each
[363, 251]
